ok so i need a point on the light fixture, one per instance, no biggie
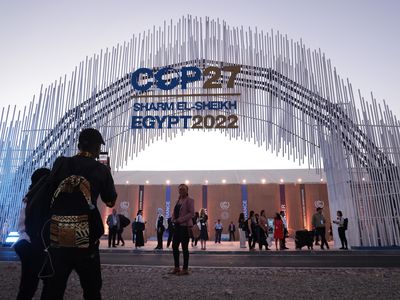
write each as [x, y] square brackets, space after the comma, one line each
[206, 181]
[244, 181]
[147, 182]
[127, 182]
[11, 238]
[223, 181]
[299, 180]
[281, 180]
[321, 179]
[168, 181]
[187, 182]
[363, 179]
[263, 181]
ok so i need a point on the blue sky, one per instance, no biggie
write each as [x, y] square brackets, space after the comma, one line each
[43, 40]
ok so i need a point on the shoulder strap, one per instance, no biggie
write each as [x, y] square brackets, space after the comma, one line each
[73, 171]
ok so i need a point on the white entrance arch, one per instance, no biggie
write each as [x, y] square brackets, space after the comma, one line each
[289, 98]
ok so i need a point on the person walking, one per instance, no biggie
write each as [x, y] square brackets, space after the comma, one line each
[257, 230]
[218, 231]
[170, 231]
[203, 220]
[285, 230]
[113, 227]
[263, 231]
[123, 222]
[232, 230]
[160, 229]
[140, 226]
[242, 230]
[342, 227]
[95, 179]
[182, 217]
[251, 225]
[31, 256]
[278, 231]
[319, 223]
[195, 222]
[134, 231]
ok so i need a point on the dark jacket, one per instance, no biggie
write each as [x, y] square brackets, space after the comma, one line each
[186, 213]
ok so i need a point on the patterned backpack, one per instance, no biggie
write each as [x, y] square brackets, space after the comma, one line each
[74, 221]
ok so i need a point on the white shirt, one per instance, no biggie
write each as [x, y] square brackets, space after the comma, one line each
[114, 220]
[218, 226]
[284, 221]
[21, 225]
[139, 218]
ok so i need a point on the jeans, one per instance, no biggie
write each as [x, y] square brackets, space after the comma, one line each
[112, 234]
[342, 236]
[181, 236]
[160, 233]
[321, 233]
[283, 241]
[218, 233]
[170, 236]
[252, 240]
[119, 237]
[31, 263]
[85, 262]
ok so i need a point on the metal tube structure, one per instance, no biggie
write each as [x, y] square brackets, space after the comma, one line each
[290, 100]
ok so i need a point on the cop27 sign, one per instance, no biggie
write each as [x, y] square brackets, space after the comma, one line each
[166, 79]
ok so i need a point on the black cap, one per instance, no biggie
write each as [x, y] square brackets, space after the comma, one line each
[90, 136]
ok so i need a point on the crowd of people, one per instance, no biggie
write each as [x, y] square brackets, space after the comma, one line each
[60, 225]
[254, 230]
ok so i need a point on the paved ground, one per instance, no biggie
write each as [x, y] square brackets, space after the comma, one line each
[225, 246]
[226, 272]
[135, 282]
[230, 255]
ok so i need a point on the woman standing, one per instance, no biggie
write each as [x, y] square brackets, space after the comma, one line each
[242, 230]
[160, 228]
[139, 226]
[263, 231]
[195, 221]
[251, 225]
[278, 230]
[182, 218]
[203, 228]
[341, 229]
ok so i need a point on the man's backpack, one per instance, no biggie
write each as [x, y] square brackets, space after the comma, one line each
[123, 221]
[345, 223]
[37, 211]
[75, 220]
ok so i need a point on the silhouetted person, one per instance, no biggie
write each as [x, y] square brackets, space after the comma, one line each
[85, 261]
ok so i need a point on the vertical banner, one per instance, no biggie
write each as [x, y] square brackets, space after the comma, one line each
[282, 197]
[244, 200]
[141, 196]
[303, 204]
[167, 201]
[204, 199]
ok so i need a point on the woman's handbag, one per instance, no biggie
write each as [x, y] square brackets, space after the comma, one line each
[196, 231]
